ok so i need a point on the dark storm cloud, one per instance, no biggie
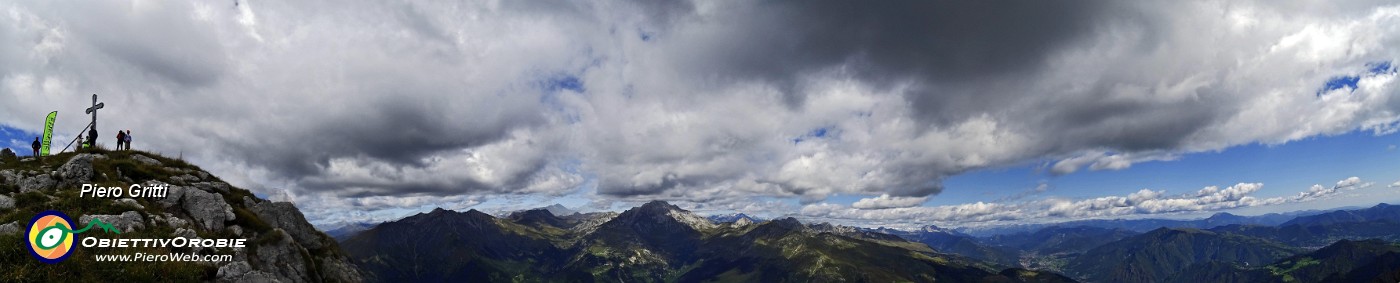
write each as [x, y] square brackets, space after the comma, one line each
[390, 129]
[954, 47]
[1126, 124]
[967, 58]
[163, 43]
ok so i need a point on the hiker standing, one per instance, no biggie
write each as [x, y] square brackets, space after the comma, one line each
[121, 139]
[128, 139]
[92, 138]
[36, 147]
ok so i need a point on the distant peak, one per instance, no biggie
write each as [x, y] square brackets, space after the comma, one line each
[658, 204]
[787, 223]
[559, 210]
[658, 210]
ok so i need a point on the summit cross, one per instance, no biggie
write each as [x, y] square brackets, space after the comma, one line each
[93, 110]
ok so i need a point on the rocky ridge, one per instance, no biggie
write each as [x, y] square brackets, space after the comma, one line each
[281, 245]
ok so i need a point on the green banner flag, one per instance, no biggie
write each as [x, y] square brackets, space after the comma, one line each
[48, 133]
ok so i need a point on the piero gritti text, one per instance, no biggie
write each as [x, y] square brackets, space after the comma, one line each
[133, 191]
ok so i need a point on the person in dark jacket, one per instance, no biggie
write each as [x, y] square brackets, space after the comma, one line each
[92, 139]
[37, 145]
[121, 139]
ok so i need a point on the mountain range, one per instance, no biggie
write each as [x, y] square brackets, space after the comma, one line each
[656, 242]
[659, 242]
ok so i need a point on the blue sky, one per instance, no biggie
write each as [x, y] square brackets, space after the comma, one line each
[1284, 169]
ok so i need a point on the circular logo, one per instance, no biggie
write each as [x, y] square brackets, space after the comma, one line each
[49, 237]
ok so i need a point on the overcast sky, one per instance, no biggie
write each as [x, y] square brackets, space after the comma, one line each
[852, 112]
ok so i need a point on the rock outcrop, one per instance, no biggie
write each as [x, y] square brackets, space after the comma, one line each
[9, 228]
[6, 203]
[208, 209]
[78, 170]
[281, 245]
[145, 160]
[285, 216]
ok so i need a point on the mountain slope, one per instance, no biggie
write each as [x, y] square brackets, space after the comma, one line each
[1320, 233]
[1343, 261]
[656, 242]
[281, 245]
[950, 242]
[453, 246]
[1157, 255]
[346, 231]
[1057, 239]
[1375, 213]
[731, 218]
[785, 251]
[644, 243]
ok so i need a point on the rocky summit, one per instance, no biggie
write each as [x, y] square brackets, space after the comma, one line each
[281, 246]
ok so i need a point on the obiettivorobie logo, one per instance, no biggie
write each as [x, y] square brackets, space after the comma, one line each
[51, 239]
[51, 235]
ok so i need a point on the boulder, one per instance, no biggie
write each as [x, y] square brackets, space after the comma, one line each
[213, 187]
[335, 269]
[185, 233]
[234, 270]
[9, 176]
[78, 170]
[175, 222]
[127, 202]
[9, 228]
[6, 203]
[284, 215]
[184, 179]
[145, 160]
[208, 209]
[172, 196]
[125, 222]
[274, 257]
[36, 183]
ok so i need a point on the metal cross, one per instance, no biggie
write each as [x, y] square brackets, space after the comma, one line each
[93, 110]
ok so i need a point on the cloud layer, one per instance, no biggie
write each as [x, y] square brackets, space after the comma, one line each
[1140, 203]
[367, 105]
